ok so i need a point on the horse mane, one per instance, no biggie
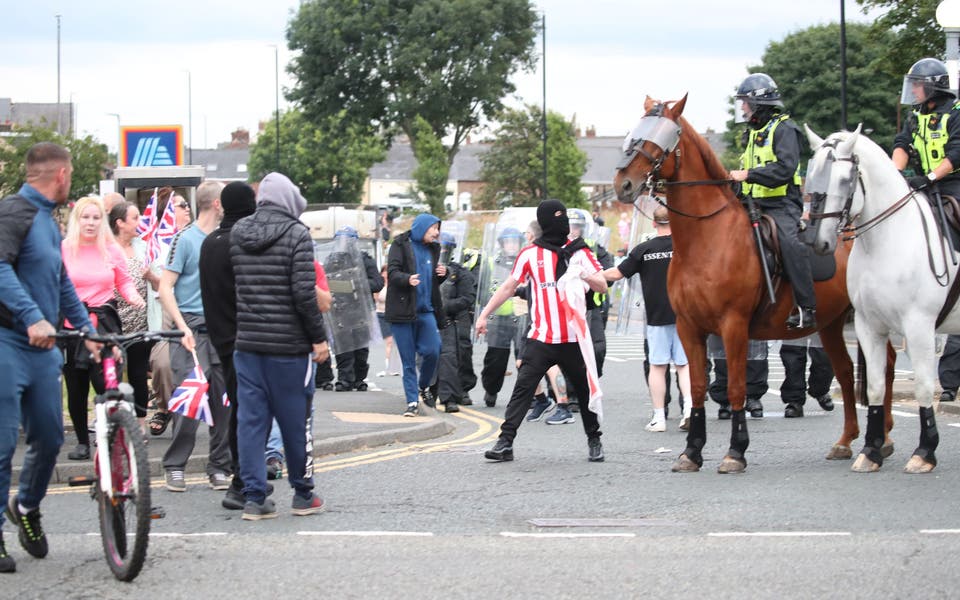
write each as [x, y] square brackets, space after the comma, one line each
[715, 168]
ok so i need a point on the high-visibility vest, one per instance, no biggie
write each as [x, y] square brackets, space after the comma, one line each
[760, 152]
[930, 138]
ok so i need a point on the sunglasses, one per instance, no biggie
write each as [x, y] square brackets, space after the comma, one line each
[182, 205]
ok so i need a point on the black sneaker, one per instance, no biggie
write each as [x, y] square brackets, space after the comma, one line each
[502, 451]
[596, 450]
[362, 386]
[7, 564]
[256, 512]
[233, 500]
[427, 397]
[793, 410]
[826, 402]
[451, 406]
[754, 407]
[490, 399]
[465, 401]
[723, 413]
[30, 532]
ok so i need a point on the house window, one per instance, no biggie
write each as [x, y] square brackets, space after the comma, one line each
[242, 168]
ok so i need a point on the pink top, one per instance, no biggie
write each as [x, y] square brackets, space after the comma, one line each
[96, 278]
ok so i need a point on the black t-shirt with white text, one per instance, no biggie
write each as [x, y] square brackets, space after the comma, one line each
[651, 259]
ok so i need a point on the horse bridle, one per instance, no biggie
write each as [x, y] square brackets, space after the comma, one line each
[667, 140]
[852, 232]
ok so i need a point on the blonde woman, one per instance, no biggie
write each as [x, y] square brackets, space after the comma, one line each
[97, 266]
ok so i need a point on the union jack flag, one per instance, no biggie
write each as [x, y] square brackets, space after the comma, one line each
[155, 231]
[226, 400]
[148, 220]
[190, 399]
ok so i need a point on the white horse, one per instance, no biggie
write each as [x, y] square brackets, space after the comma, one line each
[898, 274]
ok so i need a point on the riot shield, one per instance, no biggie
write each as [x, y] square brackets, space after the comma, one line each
[627, 296]
[502, 242]
[457, 229]
[756, 349]
[603, 237]
[351, 322]
[590, 232]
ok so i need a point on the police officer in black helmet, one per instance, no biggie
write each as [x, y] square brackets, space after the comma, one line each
[930, 138]
[770, 174]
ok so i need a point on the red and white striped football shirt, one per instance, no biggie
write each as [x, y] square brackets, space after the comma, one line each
[551, 321]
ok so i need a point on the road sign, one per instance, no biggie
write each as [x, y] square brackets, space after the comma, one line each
[151, 145]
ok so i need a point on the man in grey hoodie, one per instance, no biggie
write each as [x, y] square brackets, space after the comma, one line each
[279, 331]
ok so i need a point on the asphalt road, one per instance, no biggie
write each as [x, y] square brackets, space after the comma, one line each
[435, 520]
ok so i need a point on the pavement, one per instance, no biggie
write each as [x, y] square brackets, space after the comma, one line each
[343, 422]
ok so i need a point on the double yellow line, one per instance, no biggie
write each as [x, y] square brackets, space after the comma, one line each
[487, 429]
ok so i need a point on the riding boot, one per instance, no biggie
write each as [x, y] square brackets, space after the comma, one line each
[803, 318]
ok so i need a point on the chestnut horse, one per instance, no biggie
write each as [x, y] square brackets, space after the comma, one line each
[715, 282]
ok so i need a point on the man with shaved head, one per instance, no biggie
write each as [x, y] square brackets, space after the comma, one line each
[34, 292]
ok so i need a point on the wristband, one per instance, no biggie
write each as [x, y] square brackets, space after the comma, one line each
[932, 176]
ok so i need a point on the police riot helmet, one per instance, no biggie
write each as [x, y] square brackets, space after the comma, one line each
[758, 89]
[346, 231]
[509, 233]
[926, 80]
[447, 239]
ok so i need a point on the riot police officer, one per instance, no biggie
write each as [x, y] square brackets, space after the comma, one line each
[503, 323]
[930, 138]
[770, 176]
[459, 295]
[352, 312]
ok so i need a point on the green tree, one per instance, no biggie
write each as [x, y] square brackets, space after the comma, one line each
[512, 171]
[806, 67]
[432, 169]
[89, 159]
[329, 162]
[914, 30]
[385, 62]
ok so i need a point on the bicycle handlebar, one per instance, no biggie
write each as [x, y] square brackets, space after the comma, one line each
[118, 339]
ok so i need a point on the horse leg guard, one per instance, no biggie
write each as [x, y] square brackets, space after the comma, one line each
[692, 457]
[735, 461]
[924, 459]
[871, 457]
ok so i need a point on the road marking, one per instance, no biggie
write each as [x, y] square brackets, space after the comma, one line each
[939, 531]
[615, 359]
[900, 413]
[171, 534]
[516, 534]
[777, 533]
[366, 533]
[953, 424]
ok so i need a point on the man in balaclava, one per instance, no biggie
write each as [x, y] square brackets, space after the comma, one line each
[552, 339]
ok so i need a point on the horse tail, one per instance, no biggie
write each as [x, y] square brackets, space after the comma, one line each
[860, 377]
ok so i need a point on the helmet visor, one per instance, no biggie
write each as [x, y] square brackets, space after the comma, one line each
[914, 90]
[742, 110]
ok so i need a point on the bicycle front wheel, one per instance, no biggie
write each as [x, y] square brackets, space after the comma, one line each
[129, 509]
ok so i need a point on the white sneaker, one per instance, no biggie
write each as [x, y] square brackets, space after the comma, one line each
[656, 425]
[684, 424]
[382, 374]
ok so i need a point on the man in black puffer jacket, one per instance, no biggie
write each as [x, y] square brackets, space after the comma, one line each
[278, 327]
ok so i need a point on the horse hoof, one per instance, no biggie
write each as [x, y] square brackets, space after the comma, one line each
[839, 452]
[886, 450]
[917, 465]
[684, 465]
[731, 465]
[864, 465]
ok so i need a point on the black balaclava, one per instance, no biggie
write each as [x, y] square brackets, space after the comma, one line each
[762, 115]
[238, 201]
[552, 217]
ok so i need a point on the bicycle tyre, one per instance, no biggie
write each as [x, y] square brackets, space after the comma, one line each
[131, 502]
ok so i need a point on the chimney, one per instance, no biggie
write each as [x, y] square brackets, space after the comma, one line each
[591, 132]
[576, 132]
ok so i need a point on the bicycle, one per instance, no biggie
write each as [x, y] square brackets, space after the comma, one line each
[121, 481]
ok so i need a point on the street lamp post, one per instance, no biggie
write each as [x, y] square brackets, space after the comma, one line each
[276, 85]
[119, 136]
[543, 122]
[189, 120]
[58, 74]
[843, 66]
[948, 16]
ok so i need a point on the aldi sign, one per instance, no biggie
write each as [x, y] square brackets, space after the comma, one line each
[151, 145]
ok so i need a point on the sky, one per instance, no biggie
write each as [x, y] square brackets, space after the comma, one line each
[153, 63]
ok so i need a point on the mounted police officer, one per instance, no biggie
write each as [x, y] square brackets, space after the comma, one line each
[770, 176]
[459, 294]
[930, 138]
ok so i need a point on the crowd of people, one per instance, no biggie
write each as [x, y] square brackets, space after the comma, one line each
[242, 280]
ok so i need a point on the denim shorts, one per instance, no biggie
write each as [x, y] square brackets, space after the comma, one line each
[385, 330]
[665, 347]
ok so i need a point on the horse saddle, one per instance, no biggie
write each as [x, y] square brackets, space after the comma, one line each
[951, 209]
[821, 267]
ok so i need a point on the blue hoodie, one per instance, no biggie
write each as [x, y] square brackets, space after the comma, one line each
[424, 258]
